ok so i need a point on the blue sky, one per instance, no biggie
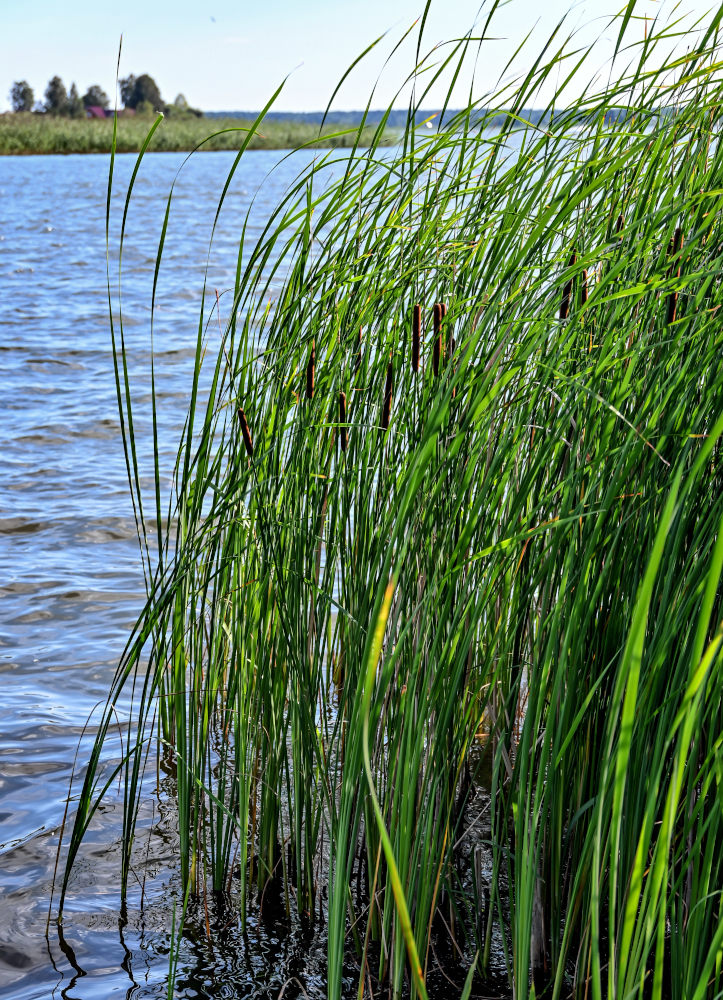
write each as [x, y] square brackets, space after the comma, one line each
[231, 54]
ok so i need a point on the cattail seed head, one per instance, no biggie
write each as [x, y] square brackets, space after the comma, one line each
[565, 301]
[416, 336]
[437, 317]
[583, 288]
[437, 355]
[388, 388]
[310, 371]
[343, 429]
[672, 308]
[246, 433]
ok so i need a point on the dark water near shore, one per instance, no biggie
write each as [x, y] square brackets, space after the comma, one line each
[70, 569]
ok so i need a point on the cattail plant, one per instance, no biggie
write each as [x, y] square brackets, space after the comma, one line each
[246, 433]
[416, 335]
[675, 248]
[310, 371]
[583, 288]
[437, 355]
[388, 387]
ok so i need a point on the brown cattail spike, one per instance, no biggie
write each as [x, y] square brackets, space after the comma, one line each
[437, 317]
[343, 429]
[676, 247]
[620, 223]
[388, 388]
[567, 289]
[583, 288]
[246, 433]
[416, 336]
[310, 371]
[565, 303]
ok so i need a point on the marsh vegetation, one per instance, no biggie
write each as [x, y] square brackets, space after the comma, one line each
[449, 505]
[26, 133]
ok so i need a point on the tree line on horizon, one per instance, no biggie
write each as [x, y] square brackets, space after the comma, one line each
[139, 94]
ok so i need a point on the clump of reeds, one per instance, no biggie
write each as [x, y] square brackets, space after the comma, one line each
[531, 592]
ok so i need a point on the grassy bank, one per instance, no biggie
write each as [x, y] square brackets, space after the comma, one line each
[456, 498]
[22, 134]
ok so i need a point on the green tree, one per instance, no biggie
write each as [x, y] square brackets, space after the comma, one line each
[56, 97]
[75, 104]
[96, 97]
[21, 96]
[127, 89]
[182, 109]
[147, 90]
[141, 89]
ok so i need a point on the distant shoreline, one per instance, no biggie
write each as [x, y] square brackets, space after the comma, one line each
[25, 133]
[32, 135]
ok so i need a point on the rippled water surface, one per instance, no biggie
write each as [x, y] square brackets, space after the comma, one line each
[70, 570]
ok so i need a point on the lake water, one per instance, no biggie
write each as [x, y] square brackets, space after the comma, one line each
[70, 570]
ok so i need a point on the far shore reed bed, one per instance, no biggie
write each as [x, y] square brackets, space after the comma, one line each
[432, 648]
[26, 133]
